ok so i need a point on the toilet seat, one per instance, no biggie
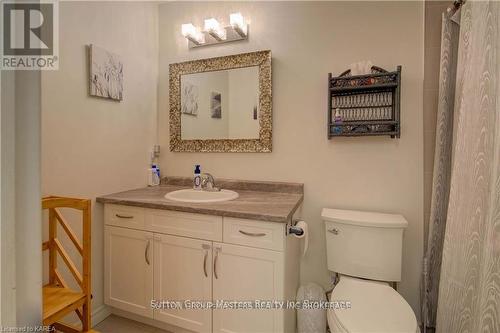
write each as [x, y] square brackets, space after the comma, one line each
[375, 307]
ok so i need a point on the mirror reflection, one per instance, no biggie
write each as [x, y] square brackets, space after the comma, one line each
[220, 104]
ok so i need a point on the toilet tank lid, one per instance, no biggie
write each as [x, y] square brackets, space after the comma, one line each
[367, 219]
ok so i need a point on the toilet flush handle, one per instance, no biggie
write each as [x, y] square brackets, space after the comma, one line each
[334, 231]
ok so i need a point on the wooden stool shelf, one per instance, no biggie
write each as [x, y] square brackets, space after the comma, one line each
[59, 299]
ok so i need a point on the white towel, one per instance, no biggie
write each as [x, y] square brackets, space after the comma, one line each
[361, 67]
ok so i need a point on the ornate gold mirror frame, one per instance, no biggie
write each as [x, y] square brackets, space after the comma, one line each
[263, 143]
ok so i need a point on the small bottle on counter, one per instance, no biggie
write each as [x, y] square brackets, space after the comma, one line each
[157, 174]
[153, 175]
[197, 177]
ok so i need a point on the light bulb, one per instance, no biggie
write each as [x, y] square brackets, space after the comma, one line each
[236, 19]
[238, 23]
[192, 33]
[213, 27]
[188, 29]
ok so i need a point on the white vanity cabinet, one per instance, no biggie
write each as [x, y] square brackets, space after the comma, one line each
[128, 269]
[183, 271]
[242, 274]
[162, 255]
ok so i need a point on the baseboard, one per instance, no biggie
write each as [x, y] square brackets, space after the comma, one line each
[99, 314]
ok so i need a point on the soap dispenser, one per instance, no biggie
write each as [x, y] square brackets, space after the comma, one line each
[197, 177]
[153, 175]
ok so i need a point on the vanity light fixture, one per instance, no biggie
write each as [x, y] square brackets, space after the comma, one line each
[238, 23]
[213, 27]
[214, 32]
[193, 34]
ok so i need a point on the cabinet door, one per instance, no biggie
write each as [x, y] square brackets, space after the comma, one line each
[128, 270]
[183, 272]
[247, 274]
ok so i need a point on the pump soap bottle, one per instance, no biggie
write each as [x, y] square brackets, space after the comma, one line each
[197, 177]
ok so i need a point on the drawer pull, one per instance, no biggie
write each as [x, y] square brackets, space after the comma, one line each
[205, 263]
[205, 247]
[252, 234]
[217, 249]
[146, 253]
[124, 216]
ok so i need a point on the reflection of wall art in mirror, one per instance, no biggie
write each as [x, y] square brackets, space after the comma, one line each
[106, 74]
[255, 112]
[189, 99]
[216, 105]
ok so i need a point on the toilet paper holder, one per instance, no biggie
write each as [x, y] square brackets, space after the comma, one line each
[294, 229]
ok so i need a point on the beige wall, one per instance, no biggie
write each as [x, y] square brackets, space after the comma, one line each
[309, 40]
[93, 146]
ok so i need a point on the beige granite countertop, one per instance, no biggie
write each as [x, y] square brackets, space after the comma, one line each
[267, 204]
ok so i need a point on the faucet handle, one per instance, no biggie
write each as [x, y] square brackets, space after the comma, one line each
[208, 182]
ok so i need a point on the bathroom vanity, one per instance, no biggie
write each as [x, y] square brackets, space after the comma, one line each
[188, 254]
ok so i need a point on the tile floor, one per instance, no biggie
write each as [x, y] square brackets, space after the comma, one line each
[115, 324]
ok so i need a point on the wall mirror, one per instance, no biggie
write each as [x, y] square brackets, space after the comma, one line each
[222, 104]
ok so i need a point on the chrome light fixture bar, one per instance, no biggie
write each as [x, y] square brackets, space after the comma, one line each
[215, 33]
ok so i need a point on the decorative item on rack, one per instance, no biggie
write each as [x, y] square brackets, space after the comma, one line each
[364, 105]
[214, 32]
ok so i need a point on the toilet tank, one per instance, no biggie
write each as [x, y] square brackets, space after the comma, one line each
[364, 244]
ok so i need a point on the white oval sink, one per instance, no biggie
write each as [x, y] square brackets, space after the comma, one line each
[199, 196]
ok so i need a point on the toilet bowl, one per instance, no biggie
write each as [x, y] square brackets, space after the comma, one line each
[372, 306]
[364, 249]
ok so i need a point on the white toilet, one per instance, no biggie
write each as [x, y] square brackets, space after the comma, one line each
[365, 249]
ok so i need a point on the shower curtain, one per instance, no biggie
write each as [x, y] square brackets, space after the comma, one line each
[442, 167]
[469, 290]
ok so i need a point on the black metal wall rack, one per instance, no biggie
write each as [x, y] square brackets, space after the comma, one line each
[365, 105]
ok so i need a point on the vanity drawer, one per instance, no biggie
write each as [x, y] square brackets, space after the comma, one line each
[199, 226]
[266, 235]
[124, 216]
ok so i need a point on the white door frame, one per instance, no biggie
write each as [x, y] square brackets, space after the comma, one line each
[21, 219]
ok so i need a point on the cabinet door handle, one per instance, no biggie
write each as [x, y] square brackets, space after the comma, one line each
[146, 253]
[215, 261]
[124, 216]
[252, 234]
[205, 264]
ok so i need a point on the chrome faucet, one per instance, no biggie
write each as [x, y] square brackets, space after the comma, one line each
[208, 183]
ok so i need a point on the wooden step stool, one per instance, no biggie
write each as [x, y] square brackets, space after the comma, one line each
[58, 299]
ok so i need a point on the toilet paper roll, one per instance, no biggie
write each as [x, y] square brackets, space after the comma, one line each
[303, 225]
